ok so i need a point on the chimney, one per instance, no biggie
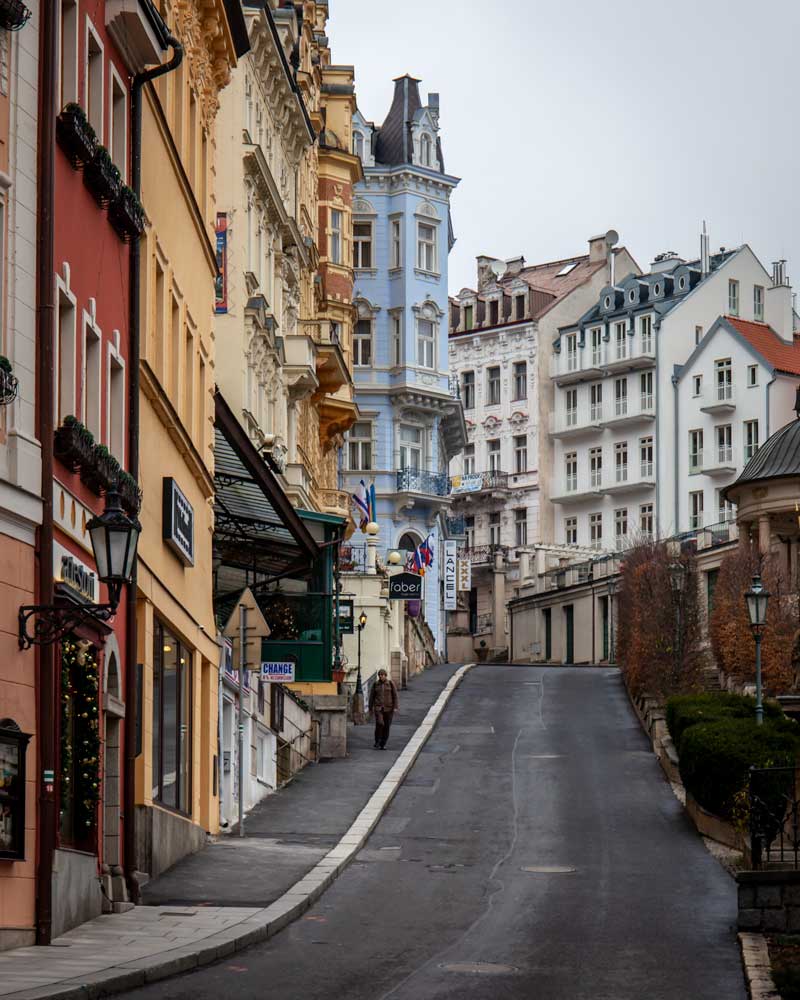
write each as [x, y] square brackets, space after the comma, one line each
[705, 256]
[598, 248]
[433, 108]
[779, 273]
[514, 265]
[778, 312]
[666, 262]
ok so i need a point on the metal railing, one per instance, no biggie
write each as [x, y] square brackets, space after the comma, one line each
[436, 484]
[478, 554]
[455, 386]
[774, 817]
[353, 557]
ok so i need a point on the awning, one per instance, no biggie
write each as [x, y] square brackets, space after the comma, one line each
[258, 535]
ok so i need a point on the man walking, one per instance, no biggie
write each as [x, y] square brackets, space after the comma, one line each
[383, 703]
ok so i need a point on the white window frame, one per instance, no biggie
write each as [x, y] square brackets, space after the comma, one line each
[646, 457]
[752, 376]
[65, 404]
[115, 363]
[621, 526]
[621, 461]
[751, 439]
[359, 340]
[596, 466]
[99, 125]
[572, 352]
[364, 455]
[494, 454]
[468, 390]
[358, 144]
[596, 530]
[411, 448]
[646, 334]
[426, 344]
[520, 377]
[697, 386]
[733, 297]
[520, 526]
[520, 453]
[621, 397]
[696, 509]
[571, 405]
[92, 337]
[493, 399]
[495, 527]
[571, 530]
[115, 82]
[335, 236]
[360, 241]
[758, 303]
[696, 443]
[468, 460]
[571, 471]
[396, 323]
[425, 150]
[621, 341]
[68, 94]
[428, 250]
[724, 442]
[646, 519]
[597, 346]
[596, 401]
[396, 243]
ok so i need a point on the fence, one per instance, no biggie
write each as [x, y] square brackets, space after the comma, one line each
[774, 817]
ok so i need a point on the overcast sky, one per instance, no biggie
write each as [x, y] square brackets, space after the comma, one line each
[565, 119]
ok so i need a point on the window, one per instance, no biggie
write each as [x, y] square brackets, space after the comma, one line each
[362, 343]
[263, 746]
[67, 355]
[175, 352]
[469, 531]
[724, 379]
[425, 147]
[362, 245]
[426, 247]
[646, 519]
[621, 341]
[519, 306]
[277, 698]
[695, 450]
[724, 508]
[192, 158]
[188, 374]
[335, 239]
[469, 459]
[397, 338]
[520, 453]
[695, 510]
[202, 400]
[468, 390]
[493, 385]
[596, 466]
[621, 397]
[92, 359]
[596, 401]
[493, 451]
[426, 343]
[750, 439]
[697, 385]
[758, 303]
[597, 347]
[733, 297]
[520, 380]
[410, 447]
[360, 446]
[752, 376]
[571, 530]
[596, 530]
[69, 52]
[469, 317]
[94, 83]
[724, 445]
[494, 528]
[621, 526]
[698, 335]
[621, 461]
[646, 386]
[494, 312]
[646, 456]
[571, 469]
[394, 237]
[521, 526]
[358, 145]
[172, 720]
[646, 334]
[571, 398]
[117, 145]
[116, 406]
[572, 352]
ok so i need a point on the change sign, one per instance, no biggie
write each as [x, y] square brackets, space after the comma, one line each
[277, 671]
[405, 587]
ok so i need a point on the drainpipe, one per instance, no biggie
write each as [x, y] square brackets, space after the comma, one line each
[48, 676]
[675, 452]
[133, 460]
[767, 431]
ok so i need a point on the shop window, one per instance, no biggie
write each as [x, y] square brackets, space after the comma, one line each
[172, 720]
[79, 778]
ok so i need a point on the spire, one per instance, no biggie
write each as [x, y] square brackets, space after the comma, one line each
[393, 144]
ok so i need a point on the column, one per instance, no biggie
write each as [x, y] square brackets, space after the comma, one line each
[763, 534]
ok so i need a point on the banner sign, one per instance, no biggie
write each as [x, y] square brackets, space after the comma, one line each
[450, 560]
[346, 616]
[464, 574]
[471, 482]
[178, 522]
[221, 281]
[405, 587]
[278, 671]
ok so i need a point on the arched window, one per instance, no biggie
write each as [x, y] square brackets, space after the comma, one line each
[358, 145]
[425, 150]
[408, 542]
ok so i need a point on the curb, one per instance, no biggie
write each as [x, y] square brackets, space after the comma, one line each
[757, 970]
[273, 918]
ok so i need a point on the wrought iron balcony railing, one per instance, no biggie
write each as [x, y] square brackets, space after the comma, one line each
[435, 484]
[456, 525]
[479, 554]
[353, 557]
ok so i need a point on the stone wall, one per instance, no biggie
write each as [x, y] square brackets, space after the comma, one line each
[769, 901]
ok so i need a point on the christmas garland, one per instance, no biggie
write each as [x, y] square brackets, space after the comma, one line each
[80, 745]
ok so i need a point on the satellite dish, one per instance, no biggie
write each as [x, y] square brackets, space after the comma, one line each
[612, 238]
[498, 268]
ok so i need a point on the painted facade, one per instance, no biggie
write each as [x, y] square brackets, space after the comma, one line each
[410, 419]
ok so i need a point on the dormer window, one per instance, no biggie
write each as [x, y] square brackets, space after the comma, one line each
[607, 302]
[519, 306]
[493, 312]
[631, 296]
[358, 145]
[425, 150]
[468, 317]
[657, 289]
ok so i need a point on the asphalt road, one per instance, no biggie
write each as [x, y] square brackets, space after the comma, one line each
[534, 852]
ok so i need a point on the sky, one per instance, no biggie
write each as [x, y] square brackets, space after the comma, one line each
[566, 119]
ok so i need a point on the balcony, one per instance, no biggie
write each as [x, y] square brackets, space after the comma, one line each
[635, 354]
[336, 502]
[483, 555]
[353, 557]
[626, 411]
[577, 494]
[435, 484]
[589, 363]
[630, 479]
[719, 398]
[576, 366]
[574, 423]
[494, 481]
[716, 462]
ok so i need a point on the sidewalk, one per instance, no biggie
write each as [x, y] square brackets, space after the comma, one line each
[210, 904]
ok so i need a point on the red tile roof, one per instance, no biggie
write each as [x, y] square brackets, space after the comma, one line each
[785, 357]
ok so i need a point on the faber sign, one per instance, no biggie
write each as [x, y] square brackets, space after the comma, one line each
[405, 587]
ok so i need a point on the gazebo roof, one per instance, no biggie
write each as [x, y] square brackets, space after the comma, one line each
[778, 458]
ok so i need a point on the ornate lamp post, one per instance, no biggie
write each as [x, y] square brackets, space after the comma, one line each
[612, 589]
[757, 599]
[358, 697]
[677, 582]
[114, 537]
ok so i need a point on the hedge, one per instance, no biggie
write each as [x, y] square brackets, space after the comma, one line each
[686, 710]
[716, 757]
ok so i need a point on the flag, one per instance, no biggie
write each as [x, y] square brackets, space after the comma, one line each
[373, 503]
[361, 505]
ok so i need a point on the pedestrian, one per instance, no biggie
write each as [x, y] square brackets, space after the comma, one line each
[383, 704]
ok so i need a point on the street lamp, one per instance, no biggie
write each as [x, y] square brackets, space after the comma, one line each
[394, 558]
[612, 589]
[757, 599]
[114, 537]
[677, 578]
[358, 697]
[677, 582]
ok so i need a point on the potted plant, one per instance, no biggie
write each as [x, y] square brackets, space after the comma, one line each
[75, 135]
[126, 215]
[14, 14]
[102, 177]
[73, 443]
[130, 494]
[92, 470]
[8, 382]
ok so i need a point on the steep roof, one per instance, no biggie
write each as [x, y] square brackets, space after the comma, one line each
[782, 356]
[393, 143]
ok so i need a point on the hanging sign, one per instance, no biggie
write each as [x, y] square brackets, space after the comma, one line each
[346, 617]
[178, 522]
[74, 576]
[464, 574]
[450, 561]
[277, 671]
[405, 587]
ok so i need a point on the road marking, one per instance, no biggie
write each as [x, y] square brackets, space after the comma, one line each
[479, 968]
[548, 869]
[543, 756]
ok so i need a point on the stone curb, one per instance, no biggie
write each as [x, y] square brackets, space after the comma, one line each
[273, 918]
[757, 970]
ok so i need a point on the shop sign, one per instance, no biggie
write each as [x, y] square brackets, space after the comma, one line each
[277, 671]
[450, 561]
[346, 614]
[464, 574]
[74, 575]
[405, 587]
[178, 522]
[13, 748]
[471, 482]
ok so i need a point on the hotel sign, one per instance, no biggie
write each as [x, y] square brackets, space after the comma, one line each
[450, 563]
[178, 522]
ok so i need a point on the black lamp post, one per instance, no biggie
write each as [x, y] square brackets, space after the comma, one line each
[757, 599]
[114, 537]
[677, 582]
[612, 589]
[362, 621]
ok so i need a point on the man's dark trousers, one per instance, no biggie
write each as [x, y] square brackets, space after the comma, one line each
[383, 723]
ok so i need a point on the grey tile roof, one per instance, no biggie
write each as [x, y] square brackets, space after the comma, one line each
[779, 456]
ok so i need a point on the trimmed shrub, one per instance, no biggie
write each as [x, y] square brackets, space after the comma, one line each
[716, 757]
[686, 710]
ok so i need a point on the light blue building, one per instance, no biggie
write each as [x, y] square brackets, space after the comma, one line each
[411, 422]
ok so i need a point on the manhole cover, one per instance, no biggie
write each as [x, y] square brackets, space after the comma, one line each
[479, 968]
[548, 869]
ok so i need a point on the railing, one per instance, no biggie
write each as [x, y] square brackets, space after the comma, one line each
[436, 484]
[774, 817]
[353, 557]
[335, 499]
[479, 554]
[455, 387]
[456, 525]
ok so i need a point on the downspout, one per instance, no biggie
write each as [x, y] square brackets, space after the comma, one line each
[656, 438]
[48, 676]
[676, 429]
[767, 431]
[129, 804]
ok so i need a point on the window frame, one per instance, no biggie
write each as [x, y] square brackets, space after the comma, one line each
[520, 526]
[758, 303]
[335, 237]
[696, 445]
[493, 398]
[361, 447]
[183, 797]
[115, 83]
[571, 471]
[395, 244]
[494, 455]
[426, 344]
[360, 242]
[696, 509]
[428, 249]
[733, 297]
[519, 373]
[750, 446]
[571, 530]
[596, 466]
[596, 529]
[89, 101]
[361, 339]
[468, 460]
[92, 338]
[520, 453]
[468, 390]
